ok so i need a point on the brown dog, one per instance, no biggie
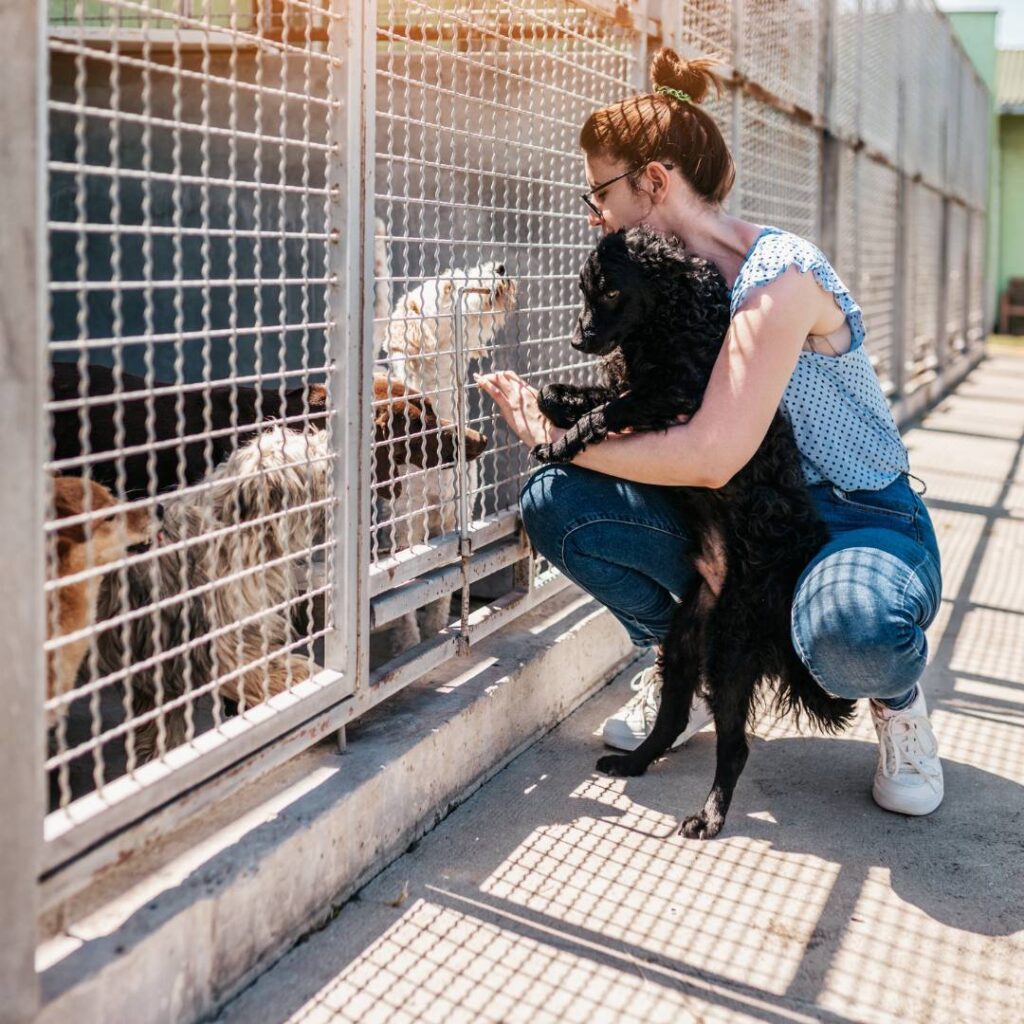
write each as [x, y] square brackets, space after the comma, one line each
[78, 547]
[407, 428]
[408, 431]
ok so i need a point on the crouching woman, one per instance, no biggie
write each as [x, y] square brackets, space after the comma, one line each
[796, 338]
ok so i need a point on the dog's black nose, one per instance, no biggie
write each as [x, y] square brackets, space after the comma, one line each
[500, 270]
[158, 511]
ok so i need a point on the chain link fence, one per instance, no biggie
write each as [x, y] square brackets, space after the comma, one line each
[280, 236]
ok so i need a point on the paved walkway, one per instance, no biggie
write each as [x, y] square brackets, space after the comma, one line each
[556, 895]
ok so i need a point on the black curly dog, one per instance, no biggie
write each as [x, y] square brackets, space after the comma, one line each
[660, 316]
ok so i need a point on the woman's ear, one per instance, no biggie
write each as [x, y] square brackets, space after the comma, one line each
[658, 175]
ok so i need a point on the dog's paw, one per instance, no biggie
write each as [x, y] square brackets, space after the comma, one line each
[555, 401]
[700, 826]
[546, 453]
[619, 766]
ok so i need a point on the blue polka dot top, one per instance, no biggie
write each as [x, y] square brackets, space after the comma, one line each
[843, 427]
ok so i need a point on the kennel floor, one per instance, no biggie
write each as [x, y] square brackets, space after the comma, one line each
[557, 895]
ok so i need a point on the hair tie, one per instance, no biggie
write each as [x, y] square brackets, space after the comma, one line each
[678, 94]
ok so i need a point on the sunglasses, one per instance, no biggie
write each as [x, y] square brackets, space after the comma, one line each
[592, 206]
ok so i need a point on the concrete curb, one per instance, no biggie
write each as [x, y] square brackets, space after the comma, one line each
[242, 886]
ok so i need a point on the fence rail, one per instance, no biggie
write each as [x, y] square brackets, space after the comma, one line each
[278, 236]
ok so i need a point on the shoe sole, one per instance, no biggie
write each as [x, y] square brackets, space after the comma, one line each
[625, 740]
[916, 811]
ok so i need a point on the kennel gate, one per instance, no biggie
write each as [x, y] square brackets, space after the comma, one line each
[211, 229]
[231, 192]
[203, 245]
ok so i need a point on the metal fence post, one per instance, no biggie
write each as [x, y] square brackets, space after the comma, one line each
[22, 390]
[640, 56]
[941, 358]
[671, 24]
[735, 206]
[830, 145]
[350, 185]
[898, 367]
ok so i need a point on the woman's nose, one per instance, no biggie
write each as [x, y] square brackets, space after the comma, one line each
[593, 220]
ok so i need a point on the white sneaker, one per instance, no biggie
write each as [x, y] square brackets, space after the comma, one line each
[908, 779]
[631, 724]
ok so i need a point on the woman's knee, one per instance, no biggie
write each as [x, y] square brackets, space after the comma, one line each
[545, 512]
[883, 666]
[537, 499]
[857, 637]
[556, 499]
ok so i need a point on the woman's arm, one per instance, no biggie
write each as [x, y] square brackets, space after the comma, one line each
[743, 394]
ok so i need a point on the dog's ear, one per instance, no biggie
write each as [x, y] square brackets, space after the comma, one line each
[77, 534]
[69, 500]
[427, 407]
[317, 399]
[612, 246]
[274, 492]
[241, 507]
[649, 246]
[65, 545]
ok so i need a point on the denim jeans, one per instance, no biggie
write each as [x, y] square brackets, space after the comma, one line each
[860, 608]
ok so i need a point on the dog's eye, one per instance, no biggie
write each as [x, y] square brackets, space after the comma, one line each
[612, 295]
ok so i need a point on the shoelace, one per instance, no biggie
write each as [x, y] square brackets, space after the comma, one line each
[905, 742]
[645, 685]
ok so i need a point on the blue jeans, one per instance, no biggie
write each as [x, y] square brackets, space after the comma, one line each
[860, 608]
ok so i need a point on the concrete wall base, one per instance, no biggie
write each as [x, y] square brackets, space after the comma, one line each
[215, 904]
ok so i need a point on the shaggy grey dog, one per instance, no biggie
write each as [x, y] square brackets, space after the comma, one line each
[210, 611]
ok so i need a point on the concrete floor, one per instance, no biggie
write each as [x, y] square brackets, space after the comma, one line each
[557, 895]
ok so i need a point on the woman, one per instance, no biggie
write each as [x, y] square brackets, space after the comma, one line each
[796, 337]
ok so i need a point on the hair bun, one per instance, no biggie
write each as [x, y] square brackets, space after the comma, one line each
[694, 77]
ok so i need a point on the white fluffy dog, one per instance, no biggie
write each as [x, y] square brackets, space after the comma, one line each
[381, 280]
[419, 337]
[419, 349]
[226, 578]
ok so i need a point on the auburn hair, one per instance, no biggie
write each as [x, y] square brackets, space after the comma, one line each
[659, 126]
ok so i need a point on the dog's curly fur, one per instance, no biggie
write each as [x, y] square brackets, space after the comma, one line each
[660, 317]
[213, 608]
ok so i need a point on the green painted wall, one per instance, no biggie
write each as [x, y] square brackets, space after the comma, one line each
[977, 33]
[1011, 247]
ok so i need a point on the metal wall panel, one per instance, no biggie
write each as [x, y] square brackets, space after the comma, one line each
[877, 221]
[923, 275]
[780, 48]
[780, 162]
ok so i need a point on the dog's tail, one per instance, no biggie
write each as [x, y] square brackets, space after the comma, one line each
[799, 694]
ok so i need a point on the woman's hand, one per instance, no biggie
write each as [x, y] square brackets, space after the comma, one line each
[517, 402]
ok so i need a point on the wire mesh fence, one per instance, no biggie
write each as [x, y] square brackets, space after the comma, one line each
[191, 552]
[477, 113]
[281, 237]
